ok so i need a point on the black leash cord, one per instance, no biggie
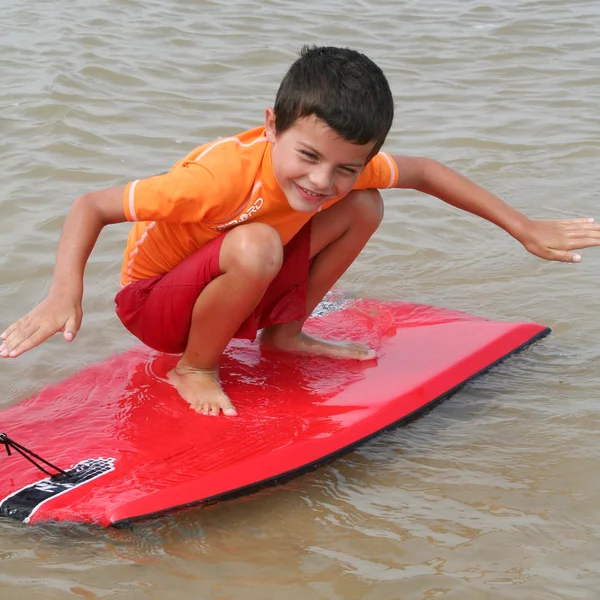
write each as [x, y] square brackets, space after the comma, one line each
[29, 455]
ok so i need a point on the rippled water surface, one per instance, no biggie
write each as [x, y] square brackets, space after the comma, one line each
[495, 493]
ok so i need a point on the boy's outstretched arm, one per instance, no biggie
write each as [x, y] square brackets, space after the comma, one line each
[552, 240]
[61, 309]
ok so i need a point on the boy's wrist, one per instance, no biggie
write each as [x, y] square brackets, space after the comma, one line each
[518, 226]
[66, 290]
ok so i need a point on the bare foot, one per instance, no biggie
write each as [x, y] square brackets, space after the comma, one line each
[202, 390]
[280, 339]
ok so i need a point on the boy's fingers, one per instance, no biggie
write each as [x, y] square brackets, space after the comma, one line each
[565, 256]
[18, 334]
[591, 235]
[14, 327]
[22, 341]
[584, 220]
[591, 238]
[582, 229]
[579, 244]
[27, 344]
[24, 338]
[70, 329]
[23, 326]
[13, 350]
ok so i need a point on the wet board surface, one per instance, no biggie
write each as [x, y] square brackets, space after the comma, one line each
[134, 449]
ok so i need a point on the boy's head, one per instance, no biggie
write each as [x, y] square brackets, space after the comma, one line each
[332, 113]
[341, 87]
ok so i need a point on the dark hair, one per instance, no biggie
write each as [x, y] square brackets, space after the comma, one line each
[340, 86]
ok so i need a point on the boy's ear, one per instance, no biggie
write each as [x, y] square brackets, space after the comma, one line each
[270, 124]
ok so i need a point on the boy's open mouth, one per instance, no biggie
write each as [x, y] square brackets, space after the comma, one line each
[309, 195]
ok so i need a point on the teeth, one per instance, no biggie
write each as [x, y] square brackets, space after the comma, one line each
[309, 192]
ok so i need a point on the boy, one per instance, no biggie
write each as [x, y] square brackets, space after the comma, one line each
[250, 232]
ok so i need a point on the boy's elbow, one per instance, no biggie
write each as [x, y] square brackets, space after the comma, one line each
[106, 205]
[85, 207]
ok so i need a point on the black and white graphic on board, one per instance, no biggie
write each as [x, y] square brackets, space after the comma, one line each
[23, 503]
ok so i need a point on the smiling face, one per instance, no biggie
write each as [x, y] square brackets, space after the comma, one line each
[312, 163]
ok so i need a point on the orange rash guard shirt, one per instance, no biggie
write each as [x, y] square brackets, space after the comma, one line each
[214, 188]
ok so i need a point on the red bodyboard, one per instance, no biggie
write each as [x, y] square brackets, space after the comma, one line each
[136, 449]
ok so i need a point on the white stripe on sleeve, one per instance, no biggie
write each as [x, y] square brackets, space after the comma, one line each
[131, 201]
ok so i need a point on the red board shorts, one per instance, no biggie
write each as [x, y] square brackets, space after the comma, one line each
[158, 310]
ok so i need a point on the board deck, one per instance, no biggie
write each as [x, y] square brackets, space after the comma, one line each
[134, 449]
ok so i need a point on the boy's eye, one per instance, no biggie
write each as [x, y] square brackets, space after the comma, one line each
[349, 170]
[309, 155]
[314, 157]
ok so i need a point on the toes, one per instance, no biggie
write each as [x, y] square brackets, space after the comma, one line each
[227, 407]
[202, 391]
[367, 353]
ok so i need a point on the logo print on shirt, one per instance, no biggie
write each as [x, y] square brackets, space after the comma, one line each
[258, 204]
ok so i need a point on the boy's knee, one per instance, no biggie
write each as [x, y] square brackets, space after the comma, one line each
[254, 249]
[367, 206]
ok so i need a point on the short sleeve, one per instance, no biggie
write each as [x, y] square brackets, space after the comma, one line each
[189, 193]
[380, 173]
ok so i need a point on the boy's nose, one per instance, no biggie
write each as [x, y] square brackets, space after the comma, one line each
[320, 180]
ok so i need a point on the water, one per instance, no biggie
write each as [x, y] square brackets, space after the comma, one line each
[492, 495]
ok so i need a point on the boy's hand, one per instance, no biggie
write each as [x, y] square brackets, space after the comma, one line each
[555, 240]
[52, 315]
[61, 310]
